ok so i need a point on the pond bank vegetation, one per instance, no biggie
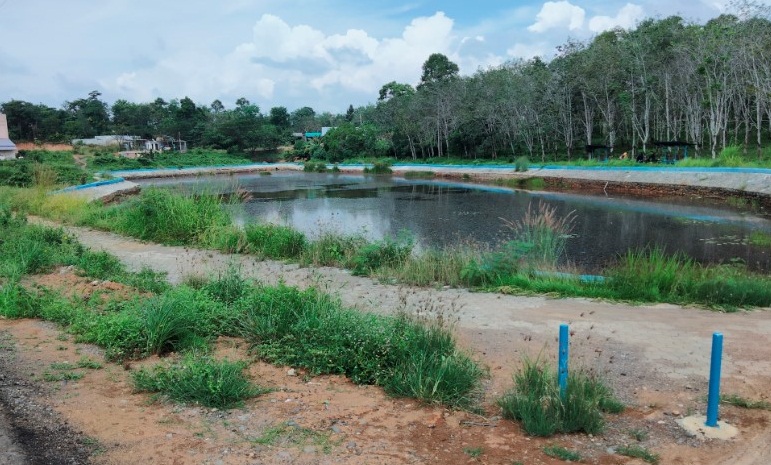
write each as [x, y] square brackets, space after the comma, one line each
[529, 262]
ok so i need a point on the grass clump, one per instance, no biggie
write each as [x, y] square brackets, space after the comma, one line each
[199, 380]
[562, 453]
[274, 241]
[639, 452]
[332, 249]
[743, 402]
[385, 253]
[305, 328]
[160, 215]
[521, 165]
[379, 167]
[315, 167]
[290, 434]
[535, 401]
[419, 175]
[651, 275]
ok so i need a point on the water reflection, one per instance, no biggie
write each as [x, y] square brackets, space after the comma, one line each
[444, 213]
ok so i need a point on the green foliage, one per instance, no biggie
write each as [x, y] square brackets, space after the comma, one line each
[387, 252]
[760, 239]
[559, 452]
[349, 141]
[274, 241]
[419, 174]
[308, 329]
[473, 452]
[379, 167]
[638, 452]
[315, 167]
[535, 401]
[652, 275]
[288, 434]
[42, 168]
[332, 249]
[199, 380]
[521, 165]
[739, 401]
[160, 215]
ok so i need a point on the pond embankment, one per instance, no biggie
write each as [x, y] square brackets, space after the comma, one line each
[645, 181]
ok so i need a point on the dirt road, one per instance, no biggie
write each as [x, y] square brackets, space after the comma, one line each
[652, 354]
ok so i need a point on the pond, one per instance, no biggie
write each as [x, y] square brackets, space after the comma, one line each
[439, 213]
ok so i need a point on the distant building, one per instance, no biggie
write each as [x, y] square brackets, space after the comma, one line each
[134, 146]
[8, 149]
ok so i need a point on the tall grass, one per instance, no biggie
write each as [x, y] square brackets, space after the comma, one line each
[544, 231]
[199, 380]
[308, 329]
[652, 275]
[536, 402]
[160, 215]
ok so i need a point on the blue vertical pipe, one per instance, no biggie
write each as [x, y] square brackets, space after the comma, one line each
[713, 399]
[563, 359]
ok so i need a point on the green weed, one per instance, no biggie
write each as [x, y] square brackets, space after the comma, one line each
[379, 167]
[562, 453]
[419, 174]
[536, 402]
[739, 401]
[315, 167]
[638, 452]
[290, 434]
[473, 452]
[199, 380]
[274, 241]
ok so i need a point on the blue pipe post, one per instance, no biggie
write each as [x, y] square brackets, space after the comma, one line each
[562, 374]
[713, 399]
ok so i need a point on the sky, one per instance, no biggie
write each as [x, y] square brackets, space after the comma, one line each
[326, 54]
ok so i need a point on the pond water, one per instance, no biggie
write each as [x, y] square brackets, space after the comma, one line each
[438, 213]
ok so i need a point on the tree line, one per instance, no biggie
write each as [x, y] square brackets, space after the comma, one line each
[707, 85]
[665, 81]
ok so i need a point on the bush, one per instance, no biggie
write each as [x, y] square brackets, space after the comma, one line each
[522, 164]
[535, 401]
[379, 167]
[315, 167]
[199, 380]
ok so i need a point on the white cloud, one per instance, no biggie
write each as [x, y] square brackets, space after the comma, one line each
[627, 18]
[558, 15]
[289, 59]
[527, 51]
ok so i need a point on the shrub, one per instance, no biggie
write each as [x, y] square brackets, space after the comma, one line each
[536, 402]
[199, 380]
[522, 164]
[315, 167]
[379, 167]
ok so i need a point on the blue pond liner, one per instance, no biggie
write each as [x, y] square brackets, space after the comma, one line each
[106, 182]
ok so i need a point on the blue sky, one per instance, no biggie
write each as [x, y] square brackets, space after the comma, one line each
[326, 54]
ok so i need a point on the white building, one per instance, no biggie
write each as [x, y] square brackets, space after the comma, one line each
[8, 149]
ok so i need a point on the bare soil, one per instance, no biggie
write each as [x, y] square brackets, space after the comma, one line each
[656, 357]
